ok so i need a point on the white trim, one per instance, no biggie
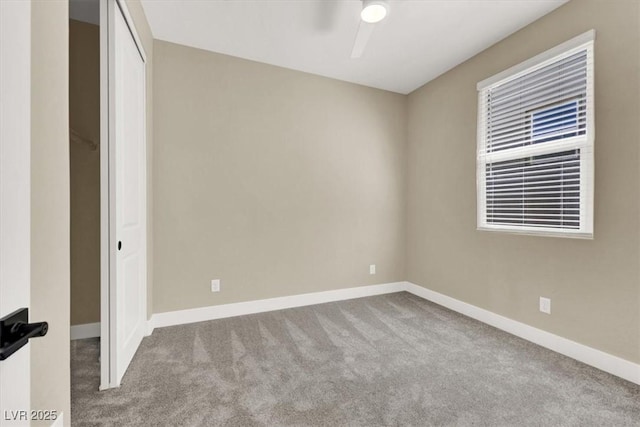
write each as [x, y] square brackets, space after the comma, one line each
[535, 231]
[150, 326]
[111, 314]
[59, 422]
[606, 362]
[574, 43]
[15, 190]
[132, 28]
[86, 330]
[105, 220]
[202, 314]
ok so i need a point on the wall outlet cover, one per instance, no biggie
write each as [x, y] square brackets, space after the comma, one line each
[545, 305]
[215, 285]
[372, 269]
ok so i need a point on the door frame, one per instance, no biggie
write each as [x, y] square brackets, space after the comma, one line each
[108, 238]
[15, 197]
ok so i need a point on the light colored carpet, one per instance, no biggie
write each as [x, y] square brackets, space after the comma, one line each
[393, 360]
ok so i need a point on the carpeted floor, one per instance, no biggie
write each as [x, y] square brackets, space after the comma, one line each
[392, 360]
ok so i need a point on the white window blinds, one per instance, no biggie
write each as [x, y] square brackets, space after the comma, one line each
[535, 144]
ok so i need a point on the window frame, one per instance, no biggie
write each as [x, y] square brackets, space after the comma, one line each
[584, 143]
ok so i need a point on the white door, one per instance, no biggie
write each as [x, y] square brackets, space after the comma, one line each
[127, 201]
[15, 142]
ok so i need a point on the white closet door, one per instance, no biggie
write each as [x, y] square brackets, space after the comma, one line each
[130, 196]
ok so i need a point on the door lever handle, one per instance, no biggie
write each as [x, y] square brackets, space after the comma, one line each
[15, 332]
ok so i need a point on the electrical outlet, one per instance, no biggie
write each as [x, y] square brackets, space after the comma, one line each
[372, 269]
[215, 285]
[545, 305]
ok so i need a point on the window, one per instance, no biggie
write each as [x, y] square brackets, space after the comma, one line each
[555, 122]
[535, 144]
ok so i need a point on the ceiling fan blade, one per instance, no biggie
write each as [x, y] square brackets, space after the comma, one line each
[362, 38]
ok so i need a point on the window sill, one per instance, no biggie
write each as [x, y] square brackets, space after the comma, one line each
[536, 232]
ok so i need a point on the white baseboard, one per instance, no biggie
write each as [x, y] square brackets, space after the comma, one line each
[604, 361]
[150, 326]
[202, 314]
[87, 330]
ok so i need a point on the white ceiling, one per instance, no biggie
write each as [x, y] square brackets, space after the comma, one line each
[418, 41]
[85, 11]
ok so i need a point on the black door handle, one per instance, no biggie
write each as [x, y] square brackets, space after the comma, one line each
[15, 331]
[119, 244]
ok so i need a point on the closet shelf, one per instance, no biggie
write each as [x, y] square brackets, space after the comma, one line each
[74, 136]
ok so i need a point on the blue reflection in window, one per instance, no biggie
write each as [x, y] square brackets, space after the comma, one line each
[556, 122]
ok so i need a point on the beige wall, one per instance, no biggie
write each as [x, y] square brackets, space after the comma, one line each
[84, 118]
[50, 204]
[594, 284]
[277, 182]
